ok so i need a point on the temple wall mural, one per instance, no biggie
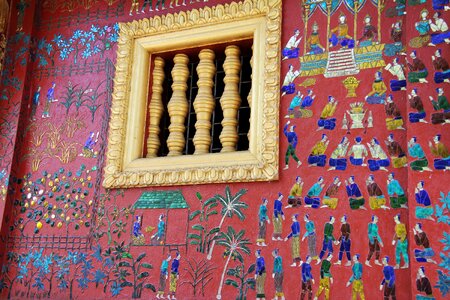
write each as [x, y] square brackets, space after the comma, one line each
[346, 108]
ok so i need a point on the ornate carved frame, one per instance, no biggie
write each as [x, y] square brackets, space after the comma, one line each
[138, 40]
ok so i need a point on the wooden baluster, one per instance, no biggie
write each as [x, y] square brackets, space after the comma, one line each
[155, 108]
[178, 105]
[204, 102]
[230, 100]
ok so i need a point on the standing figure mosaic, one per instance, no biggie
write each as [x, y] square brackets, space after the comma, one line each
[294, 235]
[375, 241]
[278, 218]
[262, 223]
[278, 275]
[260, 275]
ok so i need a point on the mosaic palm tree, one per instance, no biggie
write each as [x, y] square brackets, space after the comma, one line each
[231, 205]
[235, 245]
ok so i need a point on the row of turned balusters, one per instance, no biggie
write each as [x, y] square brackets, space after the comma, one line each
[204, 103]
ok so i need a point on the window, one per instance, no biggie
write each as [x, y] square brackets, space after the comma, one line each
[157, 136]
[216, 58]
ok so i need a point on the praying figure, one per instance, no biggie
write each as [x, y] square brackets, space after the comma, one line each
[439, 150]
[376, 197]
[415, 102]
[401, 243]
[295, 195]
[396, 193]
[396, 47]
[421, 239]
[395, 151]
[355, 198]
[356, 279]
[370, 33]
[441, 67]
[379, 159]
[423, 28]
[291, 49]
[326, 120]
[423, 285]
[288, 83]
[317, 156]
[396, 69]
[330, 199]
[394, 118]
[295, 102]
[388, 282]
[378, 93]
[338, 160]
[440, 30]
[339, 34]
[358, 153]
[375, 241]
[312, 197]
[416, 151]
[440, 103]
[424, 210]
[418, 72]
[313, 45]
[292, 144]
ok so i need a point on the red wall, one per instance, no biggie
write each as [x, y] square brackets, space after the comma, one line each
[74, 260]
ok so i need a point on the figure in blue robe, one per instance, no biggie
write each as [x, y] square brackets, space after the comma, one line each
[312, 197]
[425, 210]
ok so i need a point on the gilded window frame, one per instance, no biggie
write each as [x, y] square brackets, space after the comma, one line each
[125, 167]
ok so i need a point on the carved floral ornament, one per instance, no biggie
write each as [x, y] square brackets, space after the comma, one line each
[256, 19]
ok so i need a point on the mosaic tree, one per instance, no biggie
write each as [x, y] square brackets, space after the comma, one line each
[239, 279]
[11, 266]
[111, 218]
[86, 43]
[203, 236]
[58, 199]
[235, 245]
[200, 274]
[231, 205]
[442, 214]
[74, 267]
[120, 264]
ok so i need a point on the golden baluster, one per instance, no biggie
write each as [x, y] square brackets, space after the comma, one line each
[178, 105]
[155, 108]
[249, 97]
[230, 100]
[204, 102]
